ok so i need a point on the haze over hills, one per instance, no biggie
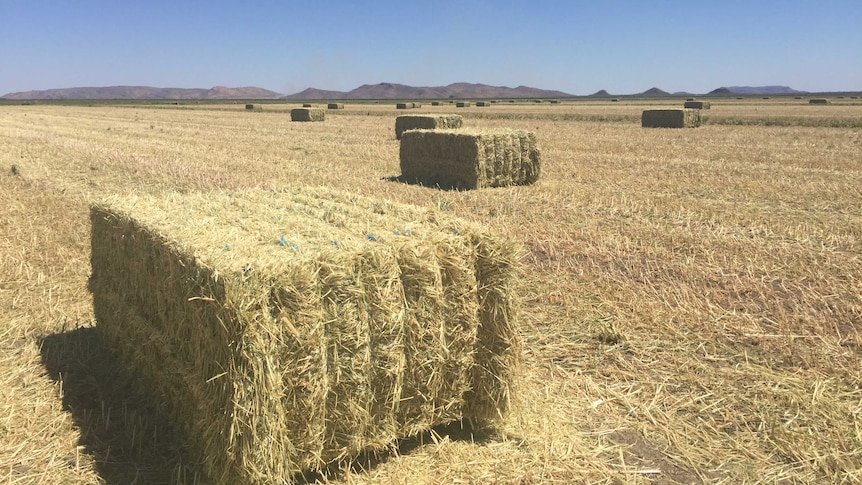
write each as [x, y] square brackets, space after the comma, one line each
[145, 92]
[366, 91]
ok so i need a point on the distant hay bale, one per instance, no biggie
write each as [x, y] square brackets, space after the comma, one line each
[306, 105]
[795, 97]
[307, 114]
[689, 99]
[615, 100]
[335, 106]
[670, 118]
[537, 101]
[435, 103]
[285, 330]
[425, 122]
[462, 104]
[403, 105]
[483, 104]
[469, 159]
[416, 105]
[696, 104]
[555, 101]
[818, 101]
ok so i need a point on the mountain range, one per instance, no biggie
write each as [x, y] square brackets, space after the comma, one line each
[366, 91]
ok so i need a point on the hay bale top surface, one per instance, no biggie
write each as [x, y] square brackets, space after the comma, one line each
[227, 231]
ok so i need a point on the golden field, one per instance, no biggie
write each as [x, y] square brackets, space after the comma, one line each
[691, 299]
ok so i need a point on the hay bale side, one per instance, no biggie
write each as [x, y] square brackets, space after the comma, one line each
[483, 104]
[282, 335]
[818, 101]
[696, 104]
[425, 122]
[435, 103]
[462, 104]
[670, 118]
[416, 105]
[249, 106]
[469, 159]
[335, 106]
[403, 105]
[307, 114]
[306, 105]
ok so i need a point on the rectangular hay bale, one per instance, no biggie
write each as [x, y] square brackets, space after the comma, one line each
[425, 122]
[462, 104]
[670, 118]
[335, 106]
[818, 101]
[286, 329]
[249, 106]
[469, 159]
[483, 104]
[307, 114]
[403, 105]
[696, 104]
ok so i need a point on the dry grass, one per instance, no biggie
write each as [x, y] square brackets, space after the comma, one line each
[693, 309]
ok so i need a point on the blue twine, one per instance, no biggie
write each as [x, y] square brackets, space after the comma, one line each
[407, 231]
[335, 243]
[282, 242]
[294, 246]
[227, 247]
[371, 237]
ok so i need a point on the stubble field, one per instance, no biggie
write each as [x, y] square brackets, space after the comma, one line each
[691, 299]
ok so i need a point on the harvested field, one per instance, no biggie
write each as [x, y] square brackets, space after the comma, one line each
[691, 306]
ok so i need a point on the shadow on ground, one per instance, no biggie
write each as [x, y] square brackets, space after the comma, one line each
[129, 435]
[122, 428]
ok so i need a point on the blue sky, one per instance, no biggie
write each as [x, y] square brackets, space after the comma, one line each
[574, 46]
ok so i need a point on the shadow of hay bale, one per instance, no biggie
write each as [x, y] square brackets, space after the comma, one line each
[404, 180]
[123, 429]
[132, 441]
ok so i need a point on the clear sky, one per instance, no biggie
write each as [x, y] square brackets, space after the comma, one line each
[578, 47]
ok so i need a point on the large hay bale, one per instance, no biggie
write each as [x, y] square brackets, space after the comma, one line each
[462, 104]
[307, 114]
[284, 330]
[403, 105]
[818, 101]
[469, 159]
[483, 104]
[670, 118]
[306, 105]
[249, 106]
[696, 104]
[335, 106]
[416, 105]
[425, 122]
[435, 103]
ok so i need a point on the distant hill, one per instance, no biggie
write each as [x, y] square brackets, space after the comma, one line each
[145, 92]
[753, 90]
[655, 92]
[454, 91]
[600, 93]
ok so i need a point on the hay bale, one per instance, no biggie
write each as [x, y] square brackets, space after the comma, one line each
[284, 330]
[307, 114]
[696, 104]
[615, 100]
[469, 159]
[425, 122]
[335, 106]
[435, 103]
[403, 105]
[818, 101]
[670, 118]
[416, 105]
[462, 104]
[483, 104]
[555, 101]
[306, 105]
[249, 106]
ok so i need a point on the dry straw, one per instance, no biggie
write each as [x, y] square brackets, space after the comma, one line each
[285, 330]
[307, 114]
[670, 118]
[469, 159]
[692, 104]
[425, 122]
